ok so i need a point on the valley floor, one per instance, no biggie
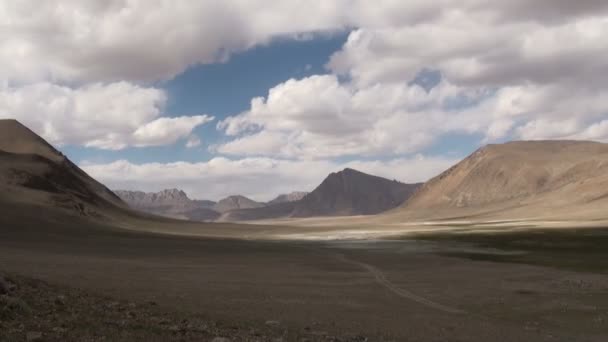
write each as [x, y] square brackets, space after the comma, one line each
[393, 290]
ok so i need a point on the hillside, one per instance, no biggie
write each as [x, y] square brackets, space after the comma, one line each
[345, 193]
[521, 179]
[33, 172]
[172, 203]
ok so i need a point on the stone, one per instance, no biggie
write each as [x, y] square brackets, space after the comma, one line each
[4, 285]
[220, 339]
[273, 323]
[33, 336]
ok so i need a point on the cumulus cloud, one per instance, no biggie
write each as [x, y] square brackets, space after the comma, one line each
[259, 178]
[106, 116]
[143, 40]
[509, 70]
[317, 117]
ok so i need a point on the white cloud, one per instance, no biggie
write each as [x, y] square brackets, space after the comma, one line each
[193, 141]
[143, 40]
[259, 178]
[107, 116]
[472, 49]
[510, 70]
[317, 117]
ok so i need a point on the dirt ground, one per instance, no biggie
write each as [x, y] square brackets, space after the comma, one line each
[380, 290]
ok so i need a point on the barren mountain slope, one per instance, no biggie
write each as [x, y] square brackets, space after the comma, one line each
[32, 171]
[526, 179]
[236, 202]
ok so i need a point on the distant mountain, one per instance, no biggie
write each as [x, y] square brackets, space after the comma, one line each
[345, 193]
[236, 202]
[170, 203]
[34, 173]
[350, 192]
[519, 179]
[291, 197]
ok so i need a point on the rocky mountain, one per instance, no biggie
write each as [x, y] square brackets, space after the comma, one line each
[519, 179]
[236, 202]
[345, 193]
[350, 192]
[290, 197]
[170, 203]
[34, 173]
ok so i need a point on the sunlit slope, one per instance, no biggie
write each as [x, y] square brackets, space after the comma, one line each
[561, 179]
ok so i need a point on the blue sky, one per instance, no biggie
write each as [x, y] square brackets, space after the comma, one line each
[223, 89]
[273, 97]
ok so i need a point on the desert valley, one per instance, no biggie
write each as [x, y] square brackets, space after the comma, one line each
[508, 242]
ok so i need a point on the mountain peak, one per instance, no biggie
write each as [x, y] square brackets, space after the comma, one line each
[351, 192]
[236, 202]
[17, 138]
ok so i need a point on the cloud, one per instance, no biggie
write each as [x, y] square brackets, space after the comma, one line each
[107, 116]
[509, 70]
[143, 40]
[472, 49]
[318, 117]
[193, 141]
[259, 178]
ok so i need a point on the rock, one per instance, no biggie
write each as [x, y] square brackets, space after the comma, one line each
[4, 285]
[60, 300]
[33, 336]
[220, 339]
[273, 323]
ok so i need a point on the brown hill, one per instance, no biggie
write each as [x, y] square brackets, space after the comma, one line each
[33, 172]
[172, 203]
[345, 193]
[519, 179]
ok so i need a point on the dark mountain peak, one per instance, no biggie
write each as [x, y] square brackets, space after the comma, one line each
[351, 192]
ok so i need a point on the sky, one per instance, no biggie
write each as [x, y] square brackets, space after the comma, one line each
[260, 98]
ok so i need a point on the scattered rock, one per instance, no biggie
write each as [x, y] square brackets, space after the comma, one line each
[33, 336]
[220, 339]
[60, 300]
[273, 323]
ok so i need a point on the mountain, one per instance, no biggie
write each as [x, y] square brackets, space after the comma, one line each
[172, 203]
[519, 179]
[345, 193]
[236, 202]
[32, 172]
[350, 192]
[291, 197]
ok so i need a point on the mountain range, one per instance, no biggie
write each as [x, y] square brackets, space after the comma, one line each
[561, 180]
[345, 193]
